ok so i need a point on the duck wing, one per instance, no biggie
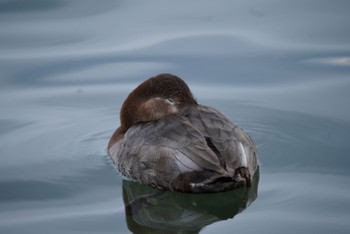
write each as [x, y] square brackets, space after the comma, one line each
[157, 152]
[230, 142]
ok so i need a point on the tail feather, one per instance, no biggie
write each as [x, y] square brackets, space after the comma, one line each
[209, 181]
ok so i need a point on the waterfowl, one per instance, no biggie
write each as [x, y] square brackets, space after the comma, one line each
[167, 140]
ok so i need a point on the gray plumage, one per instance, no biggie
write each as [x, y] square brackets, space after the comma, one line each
[200, 139]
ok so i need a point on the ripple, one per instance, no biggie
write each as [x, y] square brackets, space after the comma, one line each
[330, 61]
[301, 202]
[303, 192]
[110, 71]
[54, 134]
[21, 6]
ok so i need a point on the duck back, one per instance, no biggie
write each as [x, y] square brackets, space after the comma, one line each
[196, 150]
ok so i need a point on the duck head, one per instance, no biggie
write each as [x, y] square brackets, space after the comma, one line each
[154, 99]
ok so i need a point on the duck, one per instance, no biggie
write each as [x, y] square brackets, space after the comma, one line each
[169, 141]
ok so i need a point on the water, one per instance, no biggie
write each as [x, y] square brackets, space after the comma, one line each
[279, 69]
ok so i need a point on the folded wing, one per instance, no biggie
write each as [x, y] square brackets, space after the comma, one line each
[157, 152]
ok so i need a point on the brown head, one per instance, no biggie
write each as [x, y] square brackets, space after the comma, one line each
[155, 98]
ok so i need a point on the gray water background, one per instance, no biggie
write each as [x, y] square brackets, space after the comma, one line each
[279, 69]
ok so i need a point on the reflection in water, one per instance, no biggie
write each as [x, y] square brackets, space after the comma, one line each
[154, 211]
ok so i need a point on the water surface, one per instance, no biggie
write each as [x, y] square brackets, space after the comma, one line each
[279, 69]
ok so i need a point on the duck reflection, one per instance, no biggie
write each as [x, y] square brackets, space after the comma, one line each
[149, 210]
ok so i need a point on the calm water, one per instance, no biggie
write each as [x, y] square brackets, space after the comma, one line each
[279, 69]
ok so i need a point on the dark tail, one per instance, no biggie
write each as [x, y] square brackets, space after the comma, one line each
[210, 182]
